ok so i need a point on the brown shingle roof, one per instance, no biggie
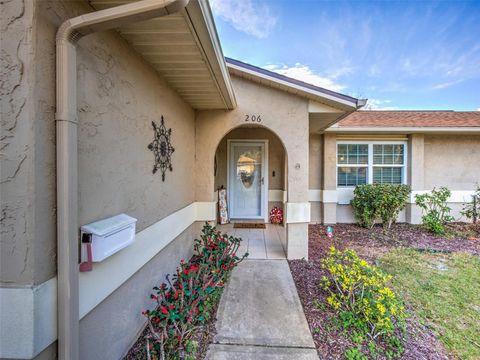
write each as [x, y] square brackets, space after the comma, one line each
[366, 118]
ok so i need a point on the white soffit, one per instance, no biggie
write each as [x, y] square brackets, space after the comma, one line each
[185, 50]
[322, 116]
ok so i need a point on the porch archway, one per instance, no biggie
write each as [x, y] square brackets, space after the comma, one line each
[287, 118]
[274, 170]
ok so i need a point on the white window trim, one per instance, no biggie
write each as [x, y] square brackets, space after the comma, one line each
[370, 164]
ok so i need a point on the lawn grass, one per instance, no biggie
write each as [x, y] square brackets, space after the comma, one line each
[444, 292]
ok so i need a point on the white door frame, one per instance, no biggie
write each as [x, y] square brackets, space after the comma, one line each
[264, 188]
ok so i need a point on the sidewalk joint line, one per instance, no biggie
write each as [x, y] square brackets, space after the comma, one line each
[266, 345]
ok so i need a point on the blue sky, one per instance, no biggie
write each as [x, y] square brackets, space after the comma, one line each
[399, 54]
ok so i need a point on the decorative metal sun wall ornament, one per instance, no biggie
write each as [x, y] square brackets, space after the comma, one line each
[162, 148]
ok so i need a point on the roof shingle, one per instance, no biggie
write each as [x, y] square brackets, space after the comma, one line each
[366, 118]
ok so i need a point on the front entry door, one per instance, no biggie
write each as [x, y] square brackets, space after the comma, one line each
[247, 180]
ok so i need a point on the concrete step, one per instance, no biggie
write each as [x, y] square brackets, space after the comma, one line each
[242, 352]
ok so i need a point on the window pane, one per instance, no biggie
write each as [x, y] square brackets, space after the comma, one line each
[352, 154]
[351, 176]
[342, 153]
[398, 154]
[387, 175]
[388, 154]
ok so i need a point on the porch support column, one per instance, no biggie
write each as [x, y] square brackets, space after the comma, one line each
[415, 175]
[329, 193]
[298, 206]
[297, 220]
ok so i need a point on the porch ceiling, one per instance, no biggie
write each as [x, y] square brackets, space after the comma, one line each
[185, 50]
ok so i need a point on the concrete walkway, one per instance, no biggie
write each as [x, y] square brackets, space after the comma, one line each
[260, 316]
[268, 243]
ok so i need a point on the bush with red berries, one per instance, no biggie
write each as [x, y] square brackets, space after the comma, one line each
[185, 302]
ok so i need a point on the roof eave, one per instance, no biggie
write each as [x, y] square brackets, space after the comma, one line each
[201, 18]
[340, 101]
[404, 130]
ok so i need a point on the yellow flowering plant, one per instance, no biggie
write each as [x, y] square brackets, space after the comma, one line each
[359, 292]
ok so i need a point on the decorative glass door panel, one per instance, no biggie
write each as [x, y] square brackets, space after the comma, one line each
[247, 180]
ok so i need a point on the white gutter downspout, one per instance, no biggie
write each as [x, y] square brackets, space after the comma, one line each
[68, 35]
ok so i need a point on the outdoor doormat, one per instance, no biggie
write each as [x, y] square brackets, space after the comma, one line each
[249, 226]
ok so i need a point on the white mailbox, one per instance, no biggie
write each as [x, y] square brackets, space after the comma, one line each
[104, 238]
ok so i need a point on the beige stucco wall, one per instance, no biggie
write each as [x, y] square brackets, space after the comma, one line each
[452, 161]
[284, 114]
[115, 165]
[315, 151]
[433, 161]
[118, 97]
[26, 204]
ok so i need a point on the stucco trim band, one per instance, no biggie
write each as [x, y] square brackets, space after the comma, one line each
[277, 196]
[31, 313]
[458, 196]
[28, 318]
[111, 273]
[298, 212]
[205, 210]
[326, 196]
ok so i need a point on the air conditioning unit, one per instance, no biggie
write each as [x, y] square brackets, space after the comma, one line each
[104, 238]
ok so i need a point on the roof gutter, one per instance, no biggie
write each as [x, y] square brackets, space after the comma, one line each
[361, 103]
[404, 130]
[69, 33]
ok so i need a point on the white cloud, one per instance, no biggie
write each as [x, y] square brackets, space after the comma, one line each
[377, 104]
[304, 73]
[345, 70]
[447, 84]
[246, 15]
[478, 109]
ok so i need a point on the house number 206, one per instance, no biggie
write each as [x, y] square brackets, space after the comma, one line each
[253, 118]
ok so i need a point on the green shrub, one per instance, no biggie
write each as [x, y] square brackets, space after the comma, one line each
[374, 202]
[359, 292]
[436, 212]
[355, 353]
[186, 301]
[471, 210]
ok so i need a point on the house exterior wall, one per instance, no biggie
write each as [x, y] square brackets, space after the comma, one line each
[315, 183]
[433, 161]
[452, 161]
[119, 95]
[329, 179]
[21, 222]
[284, 114]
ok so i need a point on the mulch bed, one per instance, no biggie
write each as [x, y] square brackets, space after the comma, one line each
[419, 341]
